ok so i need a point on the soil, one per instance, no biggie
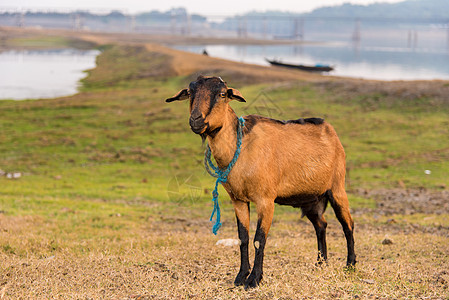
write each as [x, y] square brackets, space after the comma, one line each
[408, 201]
[438, 89]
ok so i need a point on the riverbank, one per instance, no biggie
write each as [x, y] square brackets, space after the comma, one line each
[384, 62]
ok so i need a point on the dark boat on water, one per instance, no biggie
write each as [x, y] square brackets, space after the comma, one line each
[316, 68]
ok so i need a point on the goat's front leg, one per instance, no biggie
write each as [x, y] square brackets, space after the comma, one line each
[242, 214]
[265, 210]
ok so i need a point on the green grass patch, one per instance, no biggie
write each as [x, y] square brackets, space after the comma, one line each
[119, 139]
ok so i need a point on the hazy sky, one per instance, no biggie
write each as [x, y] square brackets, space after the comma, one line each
[210, 7]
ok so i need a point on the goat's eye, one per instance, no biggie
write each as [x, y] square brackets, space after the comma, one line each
[222, 95]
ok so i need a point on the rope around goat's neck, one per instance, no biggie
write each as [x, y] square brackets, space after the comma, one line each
[220, 174]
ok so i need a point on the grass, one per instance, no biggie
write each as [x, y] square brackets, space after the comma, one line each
[98, 213]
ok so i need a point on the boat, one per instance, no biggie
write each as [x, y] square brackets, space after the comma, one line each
[316, 68]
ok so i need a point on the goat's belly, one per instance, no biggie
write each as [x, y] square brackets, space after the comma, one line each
[300, 200]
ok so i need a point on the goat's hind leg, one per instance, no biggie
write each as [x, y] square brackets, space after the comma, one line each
[340, 204]
[315, 214]
[242, 214]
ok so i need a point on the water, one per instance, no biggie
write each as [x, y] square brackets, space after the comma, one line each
[43, 73]
[55, 73]
[381, 62]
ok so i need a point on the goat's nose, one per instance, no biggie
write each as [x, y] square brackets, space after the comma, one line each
[196, 122]
[195, 117]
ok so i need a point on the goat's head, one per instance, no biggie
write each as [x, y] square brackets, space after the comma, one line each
[209, 98]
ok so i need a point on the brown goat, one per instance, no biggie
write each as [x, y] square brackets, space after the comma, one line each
[300, 163]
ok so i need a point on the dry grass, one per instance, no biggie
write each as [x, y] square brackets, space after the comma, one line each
[176, 258]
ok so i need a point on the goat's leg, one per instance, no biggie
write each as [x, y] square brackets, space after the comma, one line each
[320, 224]
[265, 212]
[242, 214]
[340, 204]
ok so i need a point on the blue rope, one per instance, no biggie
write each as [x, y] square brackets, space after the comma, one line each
[221, 175]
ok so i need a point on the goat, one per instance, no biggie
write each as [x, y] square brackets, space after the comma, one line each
[300, 163]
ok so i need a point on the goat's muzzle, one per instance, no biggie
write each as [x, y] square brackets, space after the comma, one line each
[197, 124]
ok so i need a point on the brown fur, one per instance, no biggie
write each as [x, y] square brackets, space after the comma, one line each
[297, 163]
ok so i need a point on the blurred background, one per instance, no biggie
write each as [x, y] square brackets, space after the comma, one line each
[390, 40]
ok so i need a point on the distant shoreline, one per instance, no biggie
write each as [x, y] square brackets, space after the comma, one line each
[8, 35]
[186, 63]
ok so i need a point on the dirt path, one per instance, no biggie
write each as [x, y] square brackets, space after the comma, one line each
[185, 63]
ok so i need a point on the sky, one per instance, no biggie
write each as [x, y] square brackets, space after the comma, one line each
[210, 7]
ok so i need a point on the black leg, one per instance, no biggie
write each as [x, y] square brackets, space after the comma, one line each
[265, 211]
[350, 262]
[320, 224]
[259, 244]
[339, 202]
[244, 258]
[242, 214]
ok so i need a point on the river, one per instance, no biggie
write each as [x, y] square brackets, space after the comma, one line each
[38, 74]
[383, 62]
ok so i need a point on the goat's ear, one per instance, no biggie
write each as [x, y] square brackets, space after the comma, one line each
[181, 95]
[234, 94]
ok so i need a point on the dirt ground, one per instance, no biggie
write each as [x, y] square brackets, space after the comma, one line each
[408, 201]
[177, 258]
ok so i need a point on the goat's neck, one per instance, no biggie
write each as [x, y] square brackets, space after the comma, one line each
[224, 143]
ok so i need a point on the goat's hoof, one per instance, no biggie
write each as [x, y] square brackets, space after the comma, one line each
[321, 263]
[350, 264]
[253, 281]
[349, 268]
[241, 278]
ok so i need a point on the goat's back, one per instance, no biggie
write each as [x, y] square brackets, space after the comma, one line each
[294, 157]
